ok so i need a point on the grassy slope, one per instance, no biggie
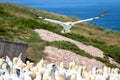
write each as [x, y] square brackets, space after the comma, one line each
[19, 22]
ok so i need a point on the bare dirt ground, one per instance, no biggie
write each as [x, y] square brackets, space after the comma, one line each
[57, 55]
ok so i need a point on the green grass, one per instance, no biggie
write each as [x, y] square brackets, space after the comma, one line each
[19, 22]
[36, 46]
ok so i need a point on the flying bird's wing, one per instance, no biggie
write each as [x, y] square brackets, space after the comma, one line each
[90, 19]
[51, 20]
[33, 13]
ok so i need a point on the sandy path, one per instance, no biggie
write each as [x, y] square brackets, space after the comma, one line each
[50, 36]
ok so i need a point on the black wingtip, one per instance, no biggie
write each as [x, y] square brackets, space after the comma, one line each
[33, 13]
[103, 13]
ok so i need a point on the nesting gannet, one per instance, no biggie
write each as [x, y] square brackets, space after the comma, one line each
[6, 69]
[94, 71]
[70, 70]
[60, 73]
[40, 68]
[67, 25]
[19, 74]
[8, 60]
[49, 73]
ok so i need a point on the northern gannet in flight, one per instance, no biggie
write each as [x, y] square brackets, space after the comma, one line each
[67, 25]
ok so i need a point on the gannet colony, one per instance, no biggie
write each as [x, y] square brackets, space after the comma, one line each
[16, 69]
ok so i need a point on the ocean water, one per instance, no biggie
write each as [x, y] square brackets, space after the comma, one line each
[82, 9]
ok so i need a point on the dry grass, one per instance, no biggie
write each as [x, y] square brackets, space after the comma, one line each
[93, 33]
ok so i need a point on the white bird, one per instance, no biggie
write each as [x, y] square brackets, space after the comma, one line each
[60, 73]
[94, 71]
[49, 73]
[70, 70]
[20, 56]
[8, 60]
[67, 25]
[6, 69]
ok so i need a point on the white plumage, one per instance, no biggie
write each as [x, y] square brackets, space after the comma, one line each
[67, 25]
[49, 73]
[52, 71]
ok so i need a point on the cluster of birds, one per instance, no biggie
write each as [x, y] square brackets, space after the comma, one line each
[16, 69]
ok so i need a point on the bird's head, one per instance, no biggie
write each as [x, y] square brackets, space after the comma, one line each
[5, 66]
[70, 23]
[32, 75]
[52, 67]
[15, 59]
[20, 64]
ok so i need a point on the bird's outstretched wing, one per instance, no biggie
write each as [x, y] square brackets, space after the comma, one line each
[51, 20]
[33, 13]
[93, 18]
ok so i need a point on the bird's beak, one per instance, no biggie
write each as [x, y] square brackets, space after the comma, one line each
[56, 68]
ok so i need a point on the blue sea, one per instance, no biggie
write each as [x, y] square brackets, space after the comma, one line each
[82, 9]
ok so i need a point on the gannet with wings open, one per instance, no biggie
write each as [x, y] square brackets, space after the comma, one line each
[67, 25]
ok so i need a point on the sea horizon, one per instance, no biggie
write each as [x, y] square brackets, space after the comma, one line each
[81, 9]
